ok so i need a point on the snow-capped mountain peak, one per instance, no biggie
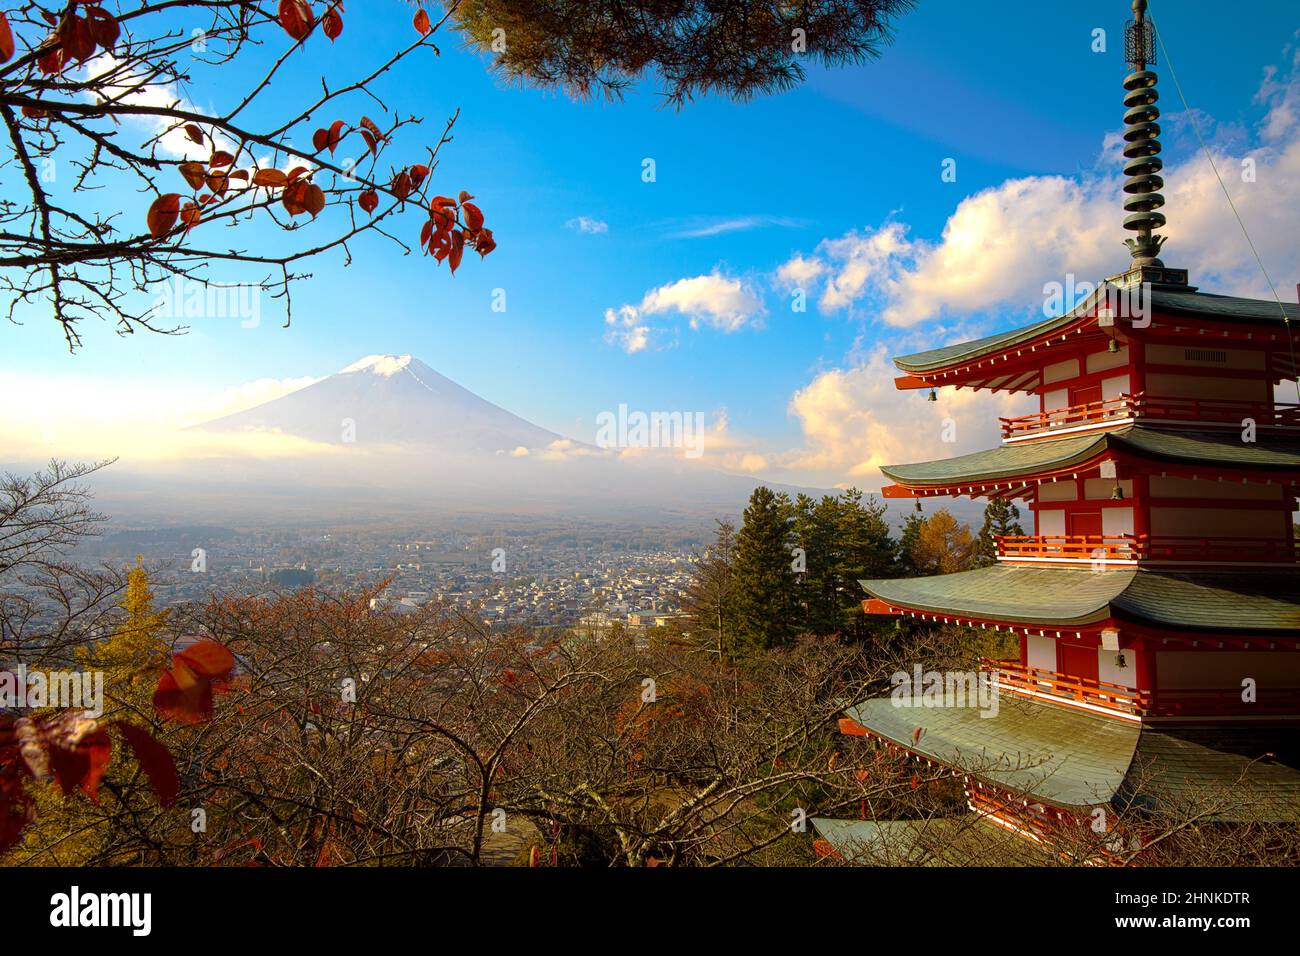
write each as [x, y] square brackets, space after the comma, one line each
[385, 365]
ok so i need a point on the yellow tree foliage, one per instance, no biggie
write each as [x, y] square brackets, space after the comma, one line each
[943, 545]
[70, 831]
[132, 655]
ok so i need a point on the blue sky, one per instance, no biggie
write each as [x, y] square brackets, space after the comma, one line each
[1007, 95]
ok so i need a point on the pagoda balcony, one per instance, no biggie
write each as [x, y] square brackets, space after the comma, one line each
[1125, 409]
[1131, 549]
[1129, 702]
[1087, 694]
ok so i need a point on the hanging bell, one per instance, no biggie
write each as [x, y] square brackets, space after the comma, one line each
[918, 505]
[1112, 346]
[1117, 494]
[933, 397]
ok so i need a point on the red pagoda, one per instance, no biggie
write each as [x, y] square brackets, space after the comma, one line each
[1157, 603]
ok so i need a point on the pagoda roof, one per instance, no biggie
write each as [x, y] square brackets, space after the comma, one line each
[937, 841]
[1076, 760]
[1178, 300]
[1024, 459]
[1077, 596]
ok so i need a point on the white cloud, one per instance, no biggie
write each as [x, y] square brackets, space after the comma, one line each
[800, 270]
[725, 303]
[588, 225]
[716, 227]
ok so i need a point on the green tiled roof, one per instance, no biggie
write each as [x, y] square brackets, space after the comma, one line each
[1222, 448]
[941, 841]
[1238, 601]
[1065, 756]
[1219, 307]
[1076, 759]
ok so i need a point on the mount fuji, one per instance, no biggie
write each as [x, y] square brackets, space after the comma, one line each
[387, 438]
[391, 400]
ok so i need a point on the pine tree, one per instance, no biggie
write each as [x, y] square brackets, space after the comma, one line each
[816, 531]
[866, 550]
[710, 599]
[912, 526]
[765, 578]
[1001, 517]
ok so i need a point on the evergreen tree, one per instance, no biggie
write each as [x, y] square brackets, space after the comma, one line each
[766, 606]
[817, 532]
[1001, 518]
[912, 526]
[710, 599]
[866, 550]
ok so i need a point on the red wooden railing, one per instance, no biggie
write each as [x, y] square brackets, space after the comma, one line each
[1141, 405]
[1127, 547]
[1187, 702]
[1098, 693]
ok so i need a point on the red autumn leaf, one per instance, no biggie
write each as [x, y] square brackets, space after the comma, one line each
[332, 23]
[296, 18]
[426, 236]
[421, 23]
[473, 216]
[484, 242]
[154, 759]
[51, 61]
[75, 36]
[296, 172]
[184, 692]
[315, 199]
[217, 182]
[320, 139]
[76, 751]
[370, 133]
[334, 136]
[464, 196]
[273, 178]
[208, 658]
[294, 198]
[240, 174]
[453, 260]
[369, 201]
[163, 213]
[418, 173]
[194, 133]
[190, 216]
[220, 158]
[183, 696]
[104, 27]
[34, 112]
[401, 185]
[6, 51]
[194, 174]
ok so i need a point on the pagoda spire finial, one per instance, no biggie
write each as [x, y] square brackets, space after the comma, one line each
[1142, 181]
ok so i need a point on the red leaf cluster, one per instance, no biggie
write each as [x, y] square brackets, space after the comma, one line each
[185, 691]
[446, 235]
[74, 39]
